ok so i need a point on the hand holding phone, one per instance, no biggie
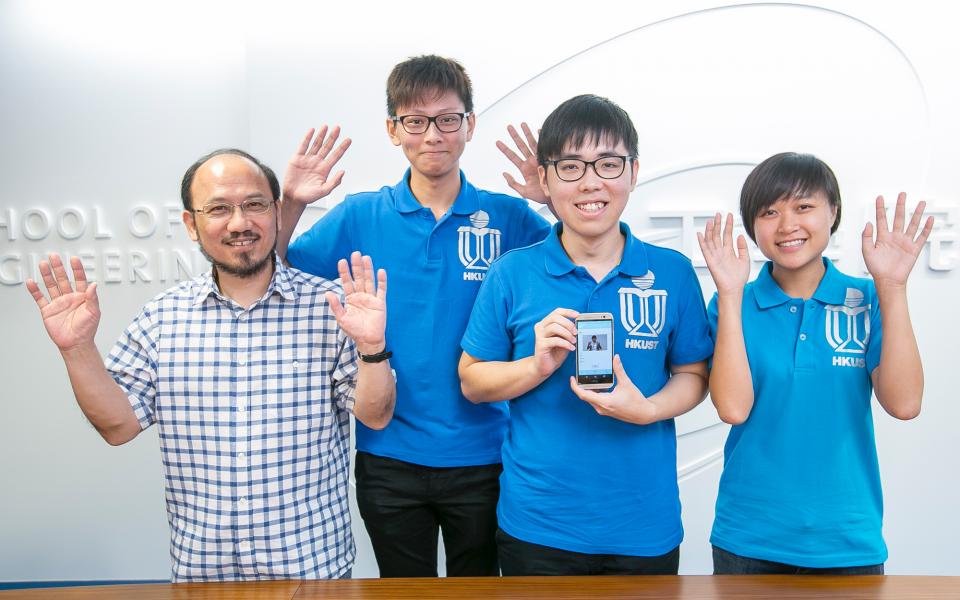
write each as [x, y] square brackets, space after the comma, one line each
[595, 351]
[556, 337]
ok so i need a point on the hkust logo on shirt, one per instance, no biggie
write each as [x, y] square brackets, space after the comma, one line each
[847, 328]
[478, 246]
[643, 313]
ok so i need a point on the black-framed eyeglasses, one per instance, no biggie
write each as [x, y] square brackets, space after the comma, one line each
[446, 123]
[224, 210]
[573, 169]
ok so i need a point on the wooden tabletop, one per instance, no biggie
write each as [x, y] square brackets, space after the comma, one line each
[698, 587]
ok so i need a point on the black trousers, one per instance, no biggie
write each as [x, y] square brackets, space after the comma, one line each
[728, 563]
[523, 558]
[404, 505]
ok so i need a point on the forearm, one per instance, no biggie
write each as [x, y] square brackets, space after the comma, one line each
[103, 402]
[898, 379]
[731, 383]
[290, 213]
[681, 394]
[375, 395]
[493, 381]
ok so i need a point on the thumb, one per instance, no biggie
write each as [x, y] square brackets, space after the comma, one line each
[90, 296]
[335, 305]
[866, 238]
[619, 371]
[741, 246]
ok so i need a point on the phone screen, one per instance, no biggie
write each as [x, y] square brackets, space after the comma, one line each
[595, 352]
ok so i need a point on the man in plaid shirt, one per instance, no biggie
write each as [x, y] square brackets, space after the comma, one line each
[249, 371]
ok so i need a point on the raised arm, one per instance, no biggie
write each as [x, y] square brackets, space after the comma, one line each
[493, 381]
[731, 383]
[364, 318]
[71, 317]
[898, 379]
[308, 179]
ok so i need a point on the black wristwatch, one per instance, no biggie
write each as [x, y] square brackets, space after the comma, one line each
[375, 358]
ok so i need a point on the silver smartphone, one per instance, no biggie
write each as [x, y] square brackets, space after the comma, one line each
[595, 351]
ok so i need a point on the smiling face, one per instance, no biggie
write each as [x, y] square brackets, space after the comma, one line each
[794, 232]
[241, 245]
[433, 154]
[590, 207]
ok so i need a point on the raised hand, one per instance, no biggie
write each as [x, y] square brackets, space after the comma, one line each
[626, 402]
[308, 178]
[526, 162]
[70, 316]
[364, 315]
[730, 269]
[555, 338]
[891, 257]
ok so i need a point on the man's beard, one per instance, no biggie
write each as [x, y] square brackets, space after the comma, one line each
[247, 268]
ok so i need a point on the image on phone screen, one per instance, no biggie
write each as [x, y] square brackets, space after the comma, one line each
[595, 352]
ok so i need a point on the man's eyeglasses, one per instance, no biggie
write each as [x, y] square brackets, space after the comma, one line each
[446, 123]
[222, 210]
[573, 169]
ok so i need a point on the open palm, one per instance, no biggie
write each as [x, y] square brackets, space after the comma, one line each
[363, 314]
[891, 257]
[730, 269]
[308, 175]
[69, 316]
[526, 162]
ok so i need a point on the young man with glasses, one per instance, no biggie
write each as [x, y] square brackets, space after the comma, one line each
[589, 483]
[249, 371]
[437, 466]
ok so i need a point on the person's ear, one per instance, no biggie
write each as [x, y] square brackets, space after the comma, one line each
[471, 125]
[542, 172]
[190, 222]
[392, 131]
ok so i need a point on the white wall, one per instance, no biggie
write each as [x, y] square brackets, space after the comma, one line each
[104, 104]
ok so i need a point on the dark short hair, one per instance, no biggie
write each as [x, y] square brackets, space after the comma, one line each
[425, 76]
[187, 181]
[786, 175]
[581, 118]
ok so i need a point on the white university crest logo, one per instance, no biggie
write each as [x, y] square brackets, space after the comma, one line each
[643, 310]
[847, 327]
[478, 245]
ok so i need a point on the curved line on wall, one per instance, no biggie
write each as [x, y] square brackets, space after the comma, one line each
[885, 37]
[695, 468]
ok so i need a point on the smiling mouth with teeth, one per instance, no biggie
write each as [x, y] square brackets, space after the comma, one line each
[591, 206]
[241, 242]
[790, 243]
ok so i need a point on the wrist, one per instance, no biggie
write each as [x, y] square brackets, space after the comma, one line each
[889, 287]
[536, 370]
[372, 348]
[80, 351]
[290, 201]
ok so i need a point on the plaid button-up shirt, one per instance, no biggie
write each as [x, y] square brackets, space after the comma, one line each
[252, 410]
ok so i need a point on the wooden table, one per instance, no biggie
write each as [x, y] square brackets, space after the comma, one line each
[686, 587]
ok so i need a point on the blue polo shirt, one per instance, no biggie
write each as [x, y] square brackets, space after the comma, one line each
[434, 269]
[801, 483]
[573, 479]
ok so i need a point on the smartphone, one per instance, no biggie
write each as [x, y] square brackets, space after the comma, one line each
[595, 351]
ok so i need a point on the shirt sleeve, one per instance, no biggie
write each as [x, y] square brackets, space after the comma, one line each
[133, 365]
[344, 374]
[326, 242]
[487, 336]
[533, 227]
[692, 341]
[876, 331]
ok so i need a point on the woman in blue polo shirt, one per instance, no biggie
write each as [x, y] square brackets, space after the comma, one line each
[798, 352]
